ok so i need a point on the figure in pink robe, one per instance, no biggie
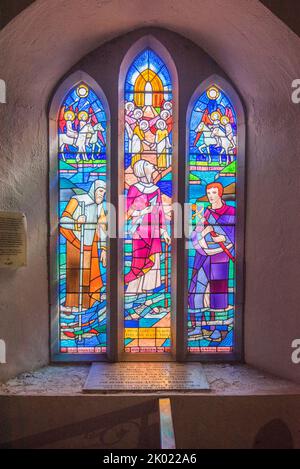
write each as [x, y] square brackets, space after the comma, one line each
[145, 210]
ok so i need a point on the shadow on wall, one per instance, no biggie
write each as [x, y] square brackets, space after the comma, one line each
[11, 8]
[288, 11]
[134, 427]
[274, 435]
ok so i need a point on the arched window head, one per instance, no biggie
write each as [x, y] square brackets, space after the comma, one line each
[148, 188]
[79, 126]
[82, 125]
[148, 80]
[213, 158]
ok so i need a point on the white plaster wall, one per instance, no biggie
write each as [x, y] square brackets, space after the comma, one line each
[261, 56]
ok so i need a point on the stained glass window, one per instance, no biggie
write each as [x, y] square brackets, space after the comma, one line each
[82, 243]
[212, 164]
[148, 191]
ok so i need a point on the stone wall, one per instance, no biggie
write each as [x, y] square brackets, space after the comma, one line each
[261, 57]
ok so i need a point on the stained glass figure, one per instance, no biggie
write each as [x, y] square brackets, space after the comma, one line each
[211, 194]
[148, 192]
[82, 246]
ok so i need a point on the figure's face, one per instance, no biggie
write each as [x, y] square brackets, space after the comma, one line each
[224, 120]
[165, 115]
[215, 117]
[144, 125]
[149, 170]
[83, 116]
[99, 195]
[69, 116]
[138, 113]
[129, 107]
[161, 124]
[213, 195]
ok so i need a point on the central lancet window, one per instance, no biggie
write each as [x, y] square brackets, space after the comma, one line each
[148, 129]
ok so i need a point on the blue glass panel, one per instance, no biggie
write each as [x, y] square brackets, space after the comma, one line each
[212, 160]
[81, 255]
[147, 262]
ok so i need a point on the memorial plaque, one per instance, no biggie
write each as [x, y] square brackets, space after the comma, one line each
[12, 239]
[145, 377]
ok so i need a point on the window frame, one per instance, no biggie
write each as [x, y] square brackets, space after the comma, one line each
[115, 172]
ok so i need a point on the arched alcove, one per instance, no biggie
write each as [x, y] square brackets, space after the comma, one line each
[159, 48]
[41, 58]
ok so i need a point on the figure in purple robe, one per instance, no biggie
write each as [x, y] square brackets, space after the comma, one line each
[214, 242]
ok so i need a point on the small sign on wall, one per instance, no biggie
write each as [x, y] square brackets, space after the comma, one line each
[2, 351]
[13, 231]
[2, 91]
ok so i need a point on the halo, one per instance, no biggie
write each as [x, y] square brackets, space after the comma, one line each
[137, 109]
[83, 115]
[129, 103]
[69, 115]
[213, 92]
[215, 115]
[224, 119]
[167, 105]
[167, 113]
[161, 121]
[82, 91]
[144, 121]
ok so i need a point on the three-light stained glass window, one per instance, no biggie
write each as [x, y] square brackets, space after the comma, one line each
[148, 125]
[142, 294]
[212, 165]
[82, 243]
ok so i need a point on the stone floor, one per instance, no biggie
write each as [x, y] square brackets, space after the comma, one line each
[224, 379]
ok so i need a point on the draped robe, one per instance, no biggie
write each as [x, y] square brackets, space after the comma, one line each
[144, 274]
[163, 145]
[94, 234]
[210, 273]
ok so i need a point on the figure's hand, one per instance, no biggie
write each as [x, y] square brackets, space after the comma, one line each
[202, 243]
[103, 257]
[147, 210]
[81, 219]
[219, 239]
[167, 238]
[200, 226]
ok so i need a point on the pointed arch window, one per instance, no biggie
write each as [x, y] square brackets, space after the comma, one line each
[79, 135]
[148, 126]
[214, 159]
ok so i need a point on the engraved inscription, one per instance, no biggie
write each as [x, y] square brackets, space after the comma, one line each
[146, 377]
